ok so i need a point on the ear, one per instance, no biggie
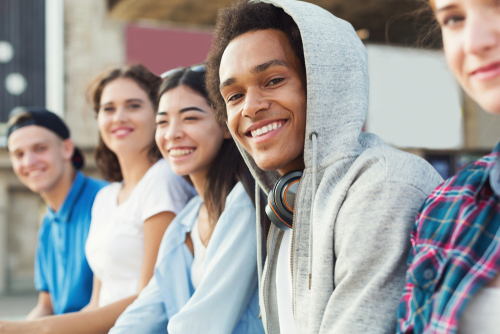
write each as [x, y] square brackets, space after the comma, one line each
[227, 134]
[68, 148]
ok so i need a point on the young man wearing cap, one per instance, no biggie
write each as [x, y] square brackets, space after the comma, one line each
[47, 162]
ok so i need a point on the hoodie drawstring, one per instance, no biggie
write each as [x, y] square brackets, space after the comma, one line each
[259, 238]
[314, 138]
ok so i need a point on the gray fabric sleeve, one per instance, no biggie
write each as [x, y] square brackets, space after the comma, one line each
[372, 240]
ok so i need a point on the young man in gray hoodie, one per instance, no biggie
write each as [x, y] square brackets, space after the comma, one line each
[291, 81]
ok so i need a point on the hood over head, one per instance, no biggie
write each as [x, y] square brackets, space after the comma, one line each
[337, 86]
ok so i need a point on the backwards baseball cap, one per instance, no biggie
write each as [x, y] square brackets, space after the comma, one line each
[44, 118]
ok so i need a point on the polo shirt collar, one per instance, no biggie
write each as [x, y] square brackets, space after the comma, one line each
[63, 214]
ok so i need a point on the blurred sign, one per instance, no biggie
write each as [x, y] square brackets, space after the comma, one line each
[22, 55]
[164, 49]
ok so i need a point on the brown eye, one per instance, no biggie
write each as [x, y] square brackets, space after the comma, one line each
[452, 20]
[40, 148]
[275, 81]
[234, 97]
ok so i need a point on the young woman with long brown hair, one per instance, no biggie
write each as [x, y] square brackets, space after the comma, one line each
[453, 282]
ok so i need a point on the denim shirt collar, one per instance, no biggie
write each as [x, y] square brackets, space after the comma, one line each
[63, 214]
[493, 173]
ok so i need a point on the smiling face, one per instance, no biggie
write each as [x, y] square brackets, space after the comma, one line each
[187, 133]
[39, 157]
[263, 86]
[126, 118]
[471, 39]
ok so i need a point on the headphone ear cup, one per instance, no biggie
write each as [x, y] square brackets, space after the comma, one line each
[273, 213]
[284, 195]
[281, 200]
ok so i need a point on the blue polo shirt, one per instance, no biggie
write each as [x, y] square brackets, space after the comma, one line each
[61, 267]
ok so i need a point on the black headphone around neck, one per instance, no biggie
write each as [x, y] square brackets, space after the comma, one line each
[281, 200]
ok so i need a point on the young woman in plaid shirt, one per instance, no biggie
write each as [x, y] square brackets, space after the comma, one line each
[453, 281]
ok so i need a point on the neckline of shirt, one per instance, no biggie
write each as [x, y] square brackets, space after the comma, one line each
[64, 212]
[138, 185]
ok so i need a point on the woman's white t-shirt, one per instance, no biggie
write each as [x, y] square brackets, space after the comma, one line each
[115, 245]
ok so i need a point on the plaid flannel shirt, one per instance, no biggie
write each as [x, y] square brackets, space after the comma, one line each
[455, 249]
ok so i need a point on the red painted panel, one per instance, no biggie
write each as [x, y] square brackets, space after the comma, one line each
[163, 49]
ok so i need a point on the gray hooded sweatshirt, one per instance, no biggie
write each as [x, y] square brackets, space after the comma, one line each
[356, 202]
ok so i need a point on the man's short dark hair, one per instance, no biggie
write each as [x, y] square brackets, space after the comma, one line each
[242, 17]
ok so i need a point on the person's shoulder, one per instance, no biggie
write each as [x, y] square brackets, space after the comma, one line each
[466, 182]
[190, 206]
[109, 187]
[472, 175]
[96, 184]
[160, 181]
[161, 168]
[388, 164]
[456, 199]
[161, 174]
[238, 197]
[238, 208]
[107, 192]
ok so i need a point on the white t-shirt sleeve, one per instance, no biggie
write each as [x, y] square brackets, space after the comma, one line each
[163, 190]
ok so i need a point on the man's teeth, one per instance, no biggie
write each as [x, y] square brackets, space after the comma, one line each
[265, 129]
[35, 173]
[180, 153]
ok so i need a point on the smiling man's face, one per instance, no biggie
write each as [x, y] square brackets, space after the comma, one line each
[38, 157]
[263, 86]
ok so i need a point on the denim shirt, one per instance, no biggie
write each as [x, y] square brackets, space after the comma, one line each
[455, 249]
[226, 300]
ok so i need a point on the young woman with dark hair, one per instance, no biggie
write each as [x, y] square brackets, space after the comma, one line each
[130, 215]
[453, 281]
[206, 274]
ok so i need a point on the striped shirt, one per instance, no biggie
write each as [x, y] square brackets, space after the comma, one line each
[455, 249]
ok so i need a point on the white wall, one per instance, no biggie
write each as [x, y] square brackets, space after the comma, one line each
[414, 99]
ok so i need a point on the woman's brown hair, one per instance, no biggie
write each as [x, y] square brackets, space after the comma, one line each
[428, 31]
[106, 160]
[228, 166]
